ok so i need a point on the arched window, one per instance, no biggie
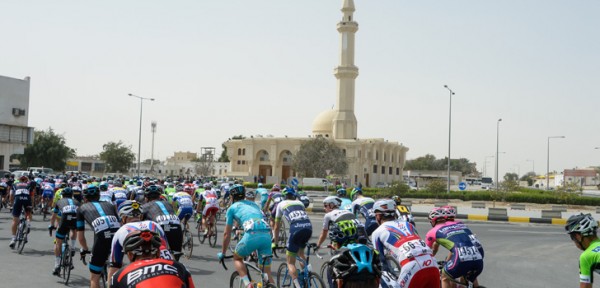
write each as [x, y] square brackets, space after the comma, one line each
[376, 155]
[244, 151]
[239, 151]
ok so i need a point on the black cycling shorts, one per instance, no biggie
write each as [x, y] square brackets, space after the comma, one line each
[68, 222]
[101, 250]
[174, 235]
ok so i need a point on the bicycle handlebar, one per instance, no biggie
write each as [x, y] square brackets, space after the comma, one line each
[319, 255]
[222, 261]
[82, 253]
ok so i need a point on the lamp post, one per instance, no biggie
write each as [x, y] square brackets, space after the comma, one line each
[140, 132]
[497, 147]
[485, 165]
[449, 132]
[548, 162]
[532, 165]
[153, 125]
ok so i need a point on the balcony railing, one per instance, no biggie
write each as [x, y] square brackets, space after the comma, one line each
[16, 134]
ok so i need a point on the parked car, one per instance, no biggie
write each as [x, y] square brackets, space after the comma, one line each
[381, 185]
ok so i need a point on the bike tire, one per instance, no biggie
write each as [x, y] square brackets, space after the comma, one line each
[393, 265]
[235, 281]
[21, 238]
[284, 279]
[212, 239]
[234, 241]
[68, 260]
[200, 232]
[324, 273]
[103, 276]
[188, 245]
[315, 281]
[282, 238]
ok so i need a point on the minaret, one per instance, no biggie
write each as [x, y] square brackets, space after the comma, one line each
[344, 121]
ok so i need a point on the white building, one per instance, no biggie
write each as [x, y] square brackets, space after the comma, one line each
[369, 160]
[15, 133]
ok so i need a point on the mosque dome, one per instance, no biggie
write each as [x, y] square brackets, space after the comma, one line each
[323, 124]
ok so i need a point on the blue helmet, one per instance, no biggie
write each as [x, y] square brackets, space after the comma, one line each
[289, 191]
[238, 192]
[362, 256]
[341, 192]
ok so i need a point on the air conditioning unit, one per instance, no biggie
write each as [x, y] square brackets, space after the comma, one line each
[18, 112]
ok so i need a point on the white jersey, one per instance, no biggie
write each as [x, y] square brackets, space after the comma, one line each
[335, 216]
[116, 254]
[210, 196]
[401, 239]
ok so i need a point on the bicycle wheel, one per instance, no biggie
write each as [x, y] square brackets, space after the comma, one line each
[21, 237]
[66, 264]
[236, 236]
[200, 232]
[284, 279]
[393, 265]
[282, 238]
[188, 243]
[315, 281]
[325, 273]
[212, 239]
[235, 281]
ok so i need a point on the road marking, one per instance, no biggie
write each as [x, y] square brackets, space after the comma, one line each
[526, 231]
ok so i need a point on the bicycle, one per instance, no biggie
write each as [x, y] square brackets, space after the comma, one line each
[22, 232]
[308, 278]
[66, 258]
[103, 272]
[188, 241]
[235, 281]
[457, 283]
[211, 232]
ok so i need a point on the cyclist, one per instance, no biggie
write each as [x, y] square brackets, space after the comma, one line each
[403, 212]
[182, 202]
[208, 204]
[582, 230]
[21, 195]
[343, 195]
[339, 224]
[65, 213]
[106, 195]
[300, 230]
[466, 253]
[418, 266]
[143, 250]
[3, 192]
[47, 194]
[131, 220]
[78, 193]
[355, 266]
[264, 195]
[364, 206]
[270, 206]
[120, 196]
[103, 218]
[257, 234]
[163, 213]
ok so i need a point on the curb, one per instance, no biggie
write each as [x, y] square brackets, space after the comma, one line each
[476, 217]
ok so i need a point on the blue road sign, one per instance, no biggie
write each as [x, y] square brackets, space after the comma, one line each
[294, 182]
[462, 185]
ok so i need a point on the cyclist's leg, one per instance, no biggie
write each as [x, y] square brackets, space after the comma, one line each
[263, 247]
[59, 237]
[100, 253]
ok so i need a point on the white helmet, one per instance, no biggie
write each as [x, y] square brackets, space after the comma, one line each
[337, 202]
[385, 206]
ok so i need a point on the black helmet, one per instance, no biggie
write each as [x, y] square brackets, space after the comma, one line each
[67, 192]
[91, 191]
[152, 191]
[582, 223]
[142, 242]
[238, 192]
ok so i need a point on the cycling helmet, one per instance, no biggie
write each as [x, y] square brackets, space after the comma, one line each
[362, 256]
[67, 192]
[276, 188]
[289, 191]
[238, 192]
[384, 206]
[343, 232]
[62, 185]
[341, 192]
[436, 214]
[130, 208]
[103, 186]
[140, 242]
[449, 211]
[397, 199]
[152, 191]
[355, 192]
[188, 189]
[584, 224]
[23, 178]
[337, 202]
[91, 191]
[355, 262]
[260, 185]
[250, 194]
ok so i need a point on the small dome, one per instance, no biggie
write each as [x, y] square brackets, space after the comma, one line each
[323, 124]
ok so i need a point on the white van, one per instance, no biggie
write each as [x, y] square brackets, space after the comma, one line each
[315, 182]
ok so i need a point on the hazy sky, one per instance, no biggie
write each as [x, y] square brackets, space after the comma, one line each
[223, 68]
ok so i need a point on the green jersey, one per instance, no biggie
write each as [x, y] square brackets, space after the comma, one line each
[589, 262]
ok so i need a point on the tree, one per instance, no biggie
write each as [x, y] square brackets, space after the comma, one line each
[224, 157]
[317, 155]
[48, 150]
[428, 162]
[117, 156]
[511, 177]
[204, 166]
[529, 177]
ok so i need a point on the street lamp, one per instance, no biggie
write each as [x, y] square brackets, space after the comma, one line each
[140, 132]
[497, 147]
[548, 162]
[532, 165]
[449, 132]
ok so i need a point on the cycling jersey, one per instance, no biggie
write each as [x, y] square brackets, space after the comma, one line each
[589, 262]
[152, 273]
[185, 206]
[66, 209]
[403, 213]
[364, 207]
[335, 216]
[120, 197]
[299, 223]
[257, 232]
[48, 191]
[3, 188]
[346, 204]
[104, 220]
[466, 253]
[419, 267]
[22, 193]
[163, 213]
[117, 254]
[264, 196]
[211, 200]
[108, 195]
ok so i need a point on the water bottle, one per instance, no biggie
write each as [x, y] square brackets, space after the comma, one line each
[259, 285]
[63, 247]
[309, 266]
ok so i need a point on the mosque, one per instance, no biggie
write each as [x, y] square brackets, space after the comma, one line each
[370, 161]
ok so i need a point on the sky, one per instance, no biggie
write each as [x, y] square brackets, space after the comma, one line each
[224, 68]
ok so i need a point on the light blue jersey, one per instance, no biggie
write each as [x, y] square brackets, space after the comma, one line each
[346, 204]
[264, 195]
[248, 214]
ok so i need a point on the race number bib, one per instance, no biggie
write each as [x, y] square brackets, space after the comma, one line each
[414, 248]
[166, 219]
[255, 224]
[69, 209]
[468, 253]
[105, 223]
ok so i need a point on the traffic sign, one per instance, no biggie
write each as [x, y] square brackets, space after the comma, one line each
[462, 186]
[294, 182]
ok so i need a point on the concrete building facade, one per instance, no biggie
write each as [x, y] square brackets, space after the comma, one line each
[369, 160]
[15, 133]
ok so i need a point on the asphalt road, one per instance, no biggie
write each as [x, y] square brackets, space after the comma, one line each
[516, 255]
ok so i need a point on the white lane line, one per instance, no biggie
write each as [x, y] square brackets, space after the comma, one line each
[526, 231]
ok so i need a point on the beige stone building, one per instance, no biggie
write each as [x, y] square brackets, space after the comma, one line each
[369, 160]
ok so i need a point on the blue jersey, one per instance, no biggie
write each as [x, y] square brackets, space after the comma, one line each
[264, 195]
[248, 215]
[346, 204]
[293, 211]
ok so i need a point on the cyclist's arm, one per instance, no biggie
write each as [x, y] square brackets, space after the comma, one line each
[585, 270]
[81, 231]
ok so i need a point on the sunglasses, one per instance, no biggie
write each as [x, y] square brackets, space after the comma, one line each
[572, 235]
